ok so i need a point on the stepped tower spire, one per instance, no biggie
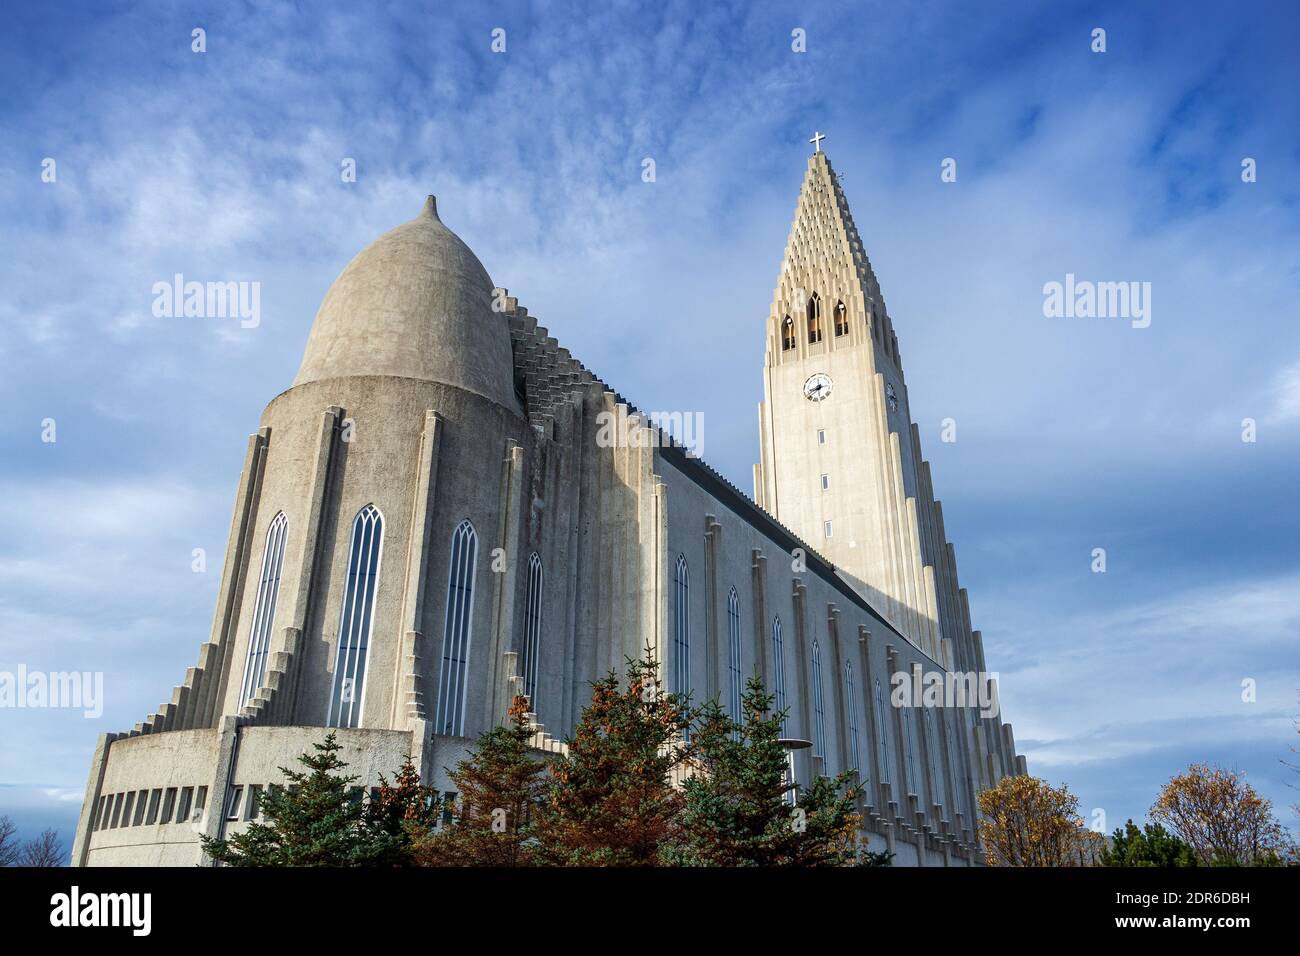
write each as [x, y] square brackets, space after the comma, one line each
[840, 459]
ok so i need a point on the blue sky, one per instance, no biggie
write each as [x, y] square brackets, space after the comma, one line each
[1072, 434]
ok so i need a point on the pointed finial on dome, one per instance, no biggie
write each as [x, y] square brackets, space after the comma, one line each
[430, 210]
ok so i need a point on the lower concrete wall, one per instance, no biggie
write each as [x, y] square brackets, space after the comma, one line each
[160, 793]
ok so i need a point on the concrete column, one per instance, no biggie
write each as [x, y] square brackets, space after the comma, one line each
[90, 803]
[408, 693]
[309, 558]
[226, 617]
[510, 504]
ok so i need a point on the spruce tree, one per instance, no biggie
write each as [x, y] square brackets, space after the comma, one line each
[318, 819]
[1153, 845]
[738, 810]
[612, 801]
[499, 786]
[403, 813]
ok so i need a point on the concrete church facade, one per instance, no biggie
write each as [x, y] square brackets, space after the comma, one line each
[434, 518]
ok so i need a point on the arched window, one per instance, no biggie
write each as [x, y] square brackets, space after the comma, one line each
[457, 631]
[819, 711]
[681, 628]
[259, 636]
[778, 673]
[787, 334]
[932, 755]
[532, 630]
[882, 733]
[814, 319]
[356, 618]
[733, 654]
[841, 319]
[851, 697]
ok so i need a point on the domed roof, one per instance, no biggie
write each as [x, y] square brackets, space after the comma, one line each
[414, 303]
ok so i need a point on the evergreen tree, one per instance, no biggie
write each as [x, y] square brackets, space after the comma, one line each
[611, 800]
[737, 809]
[318, 819]
[1151, 846]
[403, 812]
[500, 786]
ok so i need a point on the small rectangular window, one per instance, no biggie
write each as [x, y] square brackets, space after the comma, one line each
[104, 803]
[183, 808]
[827, 527]
[141, 804]
[254, 801]
[169, 804]
[232, 805]
[821, 436]
[155, 798]
[117, 810]
[200, 800]
[448, 807]
[127, 808]
[826, 482]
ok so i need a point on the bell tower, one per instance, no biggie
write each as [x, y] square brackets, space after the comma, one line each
[840, 459]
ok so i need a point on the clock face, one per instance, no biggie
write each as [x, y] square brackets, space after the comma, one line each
[891, 397]
[817, 387]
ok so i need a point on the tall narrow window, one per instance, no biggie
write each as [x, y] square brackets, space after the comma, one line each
[259, 636]
[841, 319]
[532, 630]
[819, 710]
[733, 653]
[787, 334]
[932, 758]
[778, 673]
[681, 628]
[882, 734]
[955, 771]
[356, 618]
[851, 708]
[814, 319]
[911, 747]
[456, 633]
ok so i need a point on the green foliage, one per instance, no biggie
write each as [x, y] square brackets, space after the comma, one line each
[875, 858]
[501, 787]
[317, 819]
[1153, 845]
[736, 811]
[611, 800]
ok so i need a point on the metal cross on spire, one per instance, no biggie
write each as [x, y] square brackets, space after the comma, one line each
[817, 141]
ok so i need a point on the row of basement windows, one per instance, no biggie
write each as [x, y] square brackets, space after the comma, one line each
[356, 621]
[135, 808]
[160, 806]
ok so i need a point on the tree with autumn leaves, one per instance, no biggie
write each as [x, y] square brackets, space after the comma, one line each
[500, 788]
[1221, 817]
[1025, 821]
[611, 800]
[1205, 816]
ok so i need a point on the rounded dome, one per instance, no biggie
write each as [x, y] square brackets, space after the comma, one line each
[415, 303]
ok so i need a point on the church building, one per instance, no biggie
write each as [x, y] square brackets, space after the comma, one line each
[446, 509]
